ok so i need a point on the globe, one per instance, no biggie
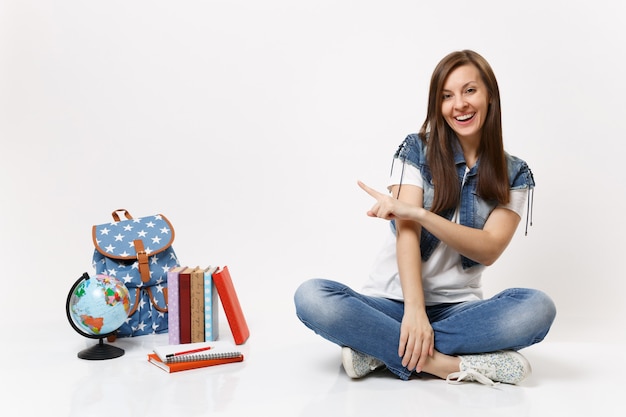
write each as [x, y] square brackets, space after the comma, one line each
[96, 307]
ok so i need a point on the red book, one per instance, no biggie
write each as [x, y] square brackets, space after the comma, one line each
[228, 296]
[153, 358]
[184, 305]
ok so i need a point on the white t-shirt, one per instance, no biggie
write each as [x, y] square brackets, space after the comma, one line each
[443, 277]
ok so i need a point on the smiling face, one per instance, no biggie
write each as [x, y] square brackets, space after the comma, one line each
[465, 103]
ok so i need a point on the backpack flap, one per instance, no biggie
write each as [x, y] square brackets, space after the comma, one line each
[133, 244]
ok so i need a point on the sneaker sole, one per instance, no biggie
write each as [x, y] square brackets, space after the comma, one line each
[348, 362]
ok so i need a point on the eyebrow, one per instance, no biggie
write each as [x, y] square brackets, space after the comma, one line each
[463, 86]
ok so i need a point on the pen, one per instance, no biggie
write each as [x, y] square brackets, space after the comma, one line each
[187, 352]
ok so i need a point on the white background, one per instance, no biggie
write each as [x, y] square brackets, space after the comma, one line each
[248, 123]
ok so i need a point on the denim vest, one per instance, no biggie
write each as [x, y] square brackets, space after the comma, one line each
[473, 210]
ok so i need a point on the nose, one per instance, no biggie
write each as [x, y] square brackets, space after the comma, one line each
[459, 102]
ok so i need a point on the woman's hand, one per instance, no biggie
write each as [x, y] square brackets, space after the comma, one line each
[417, 339]
[387, 207]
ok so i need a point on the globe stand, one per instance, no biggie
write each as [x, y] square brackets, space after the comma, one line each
[101, 352]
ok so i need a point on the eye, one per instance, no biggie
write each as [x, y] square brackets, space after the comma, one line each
[447, 96]
[470, 90]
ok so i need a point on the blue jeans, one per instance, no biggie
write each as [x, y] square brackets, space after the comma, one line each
[514, 319]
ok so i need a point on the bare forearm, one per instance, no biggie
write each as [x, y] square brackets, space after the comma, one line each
[417, 338]
[482, 245]
[410, 267]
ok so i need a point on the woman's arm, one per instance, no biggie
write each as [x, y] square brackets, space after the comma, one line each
[482, 245]
[416, 334]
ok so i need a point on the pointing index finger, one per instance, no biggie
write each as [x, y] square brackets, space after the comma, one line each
[369, 190]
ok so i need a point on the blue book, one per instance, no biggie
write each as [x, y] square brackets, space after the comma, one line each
[211, 306]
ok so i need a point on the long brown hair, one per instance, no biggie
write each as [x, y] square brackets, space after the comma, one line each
[493, 181]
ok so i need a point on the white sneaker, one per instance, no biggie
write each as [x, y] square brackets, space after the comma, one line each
[357, 364]
[506, 366]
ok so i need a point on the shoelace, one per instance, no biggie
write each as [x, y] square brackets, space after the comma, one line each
[469, 375]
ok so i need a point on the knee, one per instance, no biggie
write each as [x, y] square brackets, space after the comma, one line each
[538, 315]
[307, 297]
[544, 307]
[531, 305]
[529, 319]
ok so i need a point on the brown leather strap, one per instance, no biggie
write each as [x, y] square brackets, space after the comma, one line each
[116, 216]
[137, 295]
[153, 301]
[142, 259]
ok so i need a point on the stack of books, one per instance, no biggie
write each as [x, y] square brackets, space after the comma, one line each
[182, 357]
[194, 295]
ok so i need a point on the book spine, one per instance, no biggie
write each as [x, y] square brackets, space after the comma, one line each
[211, 318]
[197, 305]
[173, 322]
[184, 304]
[232, 308]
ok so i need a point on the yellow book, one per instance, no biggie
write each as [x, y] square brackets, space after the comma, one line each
[197, 305]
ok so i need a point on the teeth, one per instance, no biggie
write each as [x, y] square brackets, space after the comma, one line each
[464, 117]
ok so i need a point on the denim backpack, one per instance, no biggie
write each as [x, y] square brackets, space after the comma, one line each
[139, 253]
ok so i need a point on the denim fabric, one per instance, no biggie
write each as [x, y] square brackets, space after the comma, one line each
[514, 319]
[473, 210]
